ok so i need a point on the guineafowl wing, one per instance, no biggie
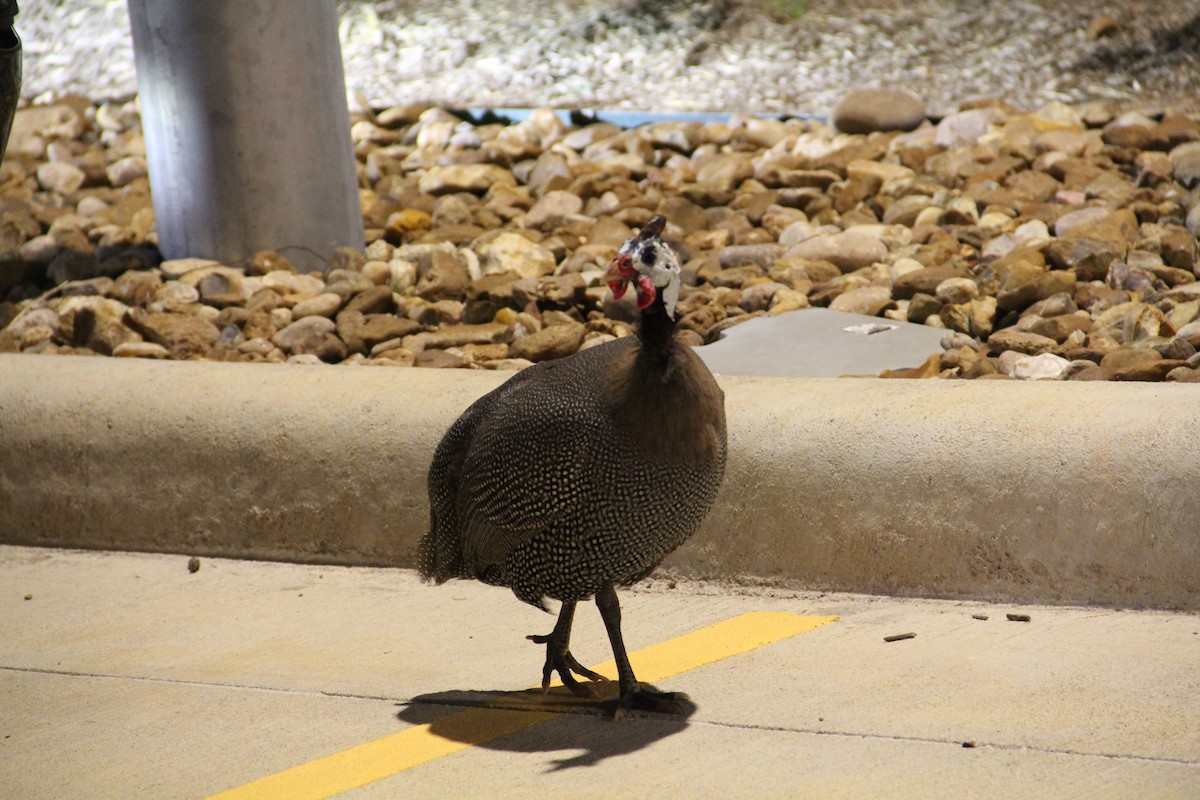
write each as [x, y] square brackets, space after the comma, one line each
[515, 463]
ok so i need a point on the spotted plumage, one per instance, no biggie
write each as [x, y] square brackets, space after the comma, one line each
[582, 474]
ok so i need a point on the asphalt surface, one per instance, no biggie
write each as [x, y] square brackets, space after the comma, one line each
[128, 675]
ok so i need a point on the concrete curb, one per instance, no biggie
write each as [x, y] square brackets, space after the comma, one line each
[1046, 492]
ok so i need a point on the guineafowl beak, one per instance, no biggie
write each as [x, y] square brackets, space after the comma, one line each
[619, 275]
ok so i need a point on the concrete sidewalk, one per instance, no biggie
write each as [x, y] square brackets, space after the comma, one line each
[125, 675]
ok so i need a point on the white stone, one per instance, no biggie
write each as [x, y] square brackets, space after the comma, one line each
[325, 304]
[139, 350]
[297, 282]
[1046, 366]
[39, 250]
[91, 206]
[957, 290]
[512, 252]
[127, 170]
[60, 177]
[175, 267]
[175, 295]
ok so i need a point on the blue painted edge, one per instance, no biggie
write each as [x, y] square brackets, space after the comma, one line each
[618, 117]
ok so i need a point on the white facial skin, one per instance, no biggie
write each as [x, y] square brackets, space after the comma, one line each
[653, 268]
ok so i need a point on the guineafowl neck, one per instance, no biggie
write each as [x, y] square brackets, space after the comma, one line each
[657, 331]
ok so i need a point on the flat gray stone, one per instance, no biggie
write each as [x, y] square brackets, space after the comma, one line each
[819, 343]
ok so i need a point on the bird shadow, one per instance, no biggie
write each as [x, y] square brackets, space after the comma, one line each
[555, 721]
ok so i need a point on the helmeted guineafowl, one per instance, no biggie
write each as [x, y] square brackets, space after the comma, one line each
[579, 475]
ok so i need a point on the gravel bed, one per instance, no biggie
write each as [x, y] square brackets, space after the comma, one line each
[718, 55]
[1055, 244]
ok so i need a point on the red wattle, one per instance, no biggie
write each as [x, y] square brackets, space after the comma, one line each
[617, 288]
[646, 292]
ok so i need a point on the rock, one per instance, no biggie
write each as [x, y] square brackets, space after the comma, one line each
[35, 318]
[1183, 375]
[868, 300]
[965, 127]
[1131, 129]
[178, 267]
[1082, 216]
[267, 261]
[99, 329]
[375, 300]
[1090, 249]
[1176, 348]
[440, 359]
[325, 304]
[361, 332]
[1045, 366]
[1130, 322]
[1020, 342]
[60, 177]
[1133, 364]
[475, 178]
[439, 312]
[849, 250]
[72, 265]
[125, 171]
[297, 283]
[1185, 159]
[313, 336]
[512, 252]
[1061, 326]
[135, 288]
[184, 335]
[1018, 274]
[923, 306]
[905, 210]
[957, 290]
[456, 336]
[550, 211]
[140, 350]
[561, 291]
[40, 249]
[1084, 371]
[761, 296]
[447, 279]
[553, 342]
[175, 296]
[726, 171]
[923, 281]
[408, 221]
[1178, 249]
[222, 288]
[760, 255]
[1101, 26]
[34, 125]
[868, 110]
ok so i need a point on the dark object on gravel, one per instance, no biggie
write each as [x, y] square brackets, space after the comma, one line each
[10, 70]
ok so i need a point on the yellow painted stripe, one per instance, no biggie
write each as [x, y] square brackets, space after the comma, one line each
[372, 761]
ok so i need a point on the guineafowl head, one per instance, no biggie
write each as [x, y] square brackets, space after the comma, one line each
[650, 264]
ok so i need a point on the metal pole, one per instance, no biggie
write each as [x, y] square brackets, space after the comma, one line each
[247, 130]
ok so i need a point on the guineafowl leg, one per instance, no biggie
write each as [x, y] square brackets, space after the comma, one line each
[633, 694]
[559, 658]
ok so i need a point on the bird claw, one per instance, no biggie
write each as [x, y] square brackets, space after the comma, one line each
[646, 698]
[565, 664]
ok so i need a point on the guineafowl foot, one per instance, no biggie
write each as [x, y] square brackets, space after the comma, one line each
[561, 661]
[644, 697]
[559, 658]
